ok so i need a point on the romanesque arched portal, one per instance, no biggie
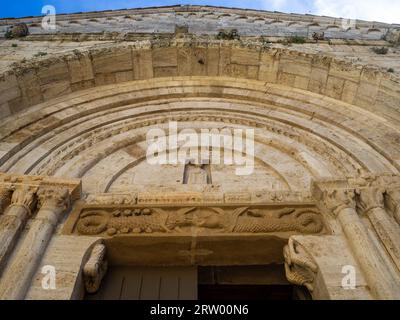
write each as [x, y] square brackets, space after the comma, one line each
[78, 191]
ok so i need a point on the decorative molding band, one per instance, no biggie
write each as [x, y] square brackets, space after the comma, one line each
[115, 220]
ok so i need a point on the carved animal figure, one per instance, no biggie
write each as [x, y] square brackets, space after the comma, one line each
[241, 220]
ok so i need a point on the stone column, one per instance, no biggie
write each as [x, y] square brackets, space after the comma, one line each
[14, 219]
[342, 204]
[371, 204]
[5, 195]
[17, 278]
[393, 201]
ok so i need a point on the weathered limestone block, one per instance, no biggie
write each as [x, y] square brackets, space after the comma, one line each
[368, 88]
[212, 61]
[68, 255]
[334, 87]
[269, 66]
[184, 61]
[165, 62]
[30, 88]
[80, 68]
[113, 66]
[199, 61]
[142, 64]
[9, 89]
[343, 70]
[54, 80]
[349, 91]
[165, 57]
[224, 61]
[245, 56]
[295, 64]
[319, 73]
[319, 263]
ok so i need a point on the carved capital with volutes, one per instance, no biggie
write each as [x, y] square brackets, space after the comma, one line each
[339, 199]
[95, 268]
[24, 196]
[369, 199]
[300, 267]
[393, 203]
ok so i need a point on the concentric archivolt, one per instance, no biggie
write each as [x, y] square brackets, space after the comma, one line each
[99, 135]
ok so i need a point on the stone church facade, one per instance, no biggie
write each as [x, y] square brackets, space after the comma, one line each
[321, 211]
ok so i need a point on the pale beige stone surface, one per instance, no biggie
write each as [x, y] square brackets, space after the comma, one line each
[75, 108]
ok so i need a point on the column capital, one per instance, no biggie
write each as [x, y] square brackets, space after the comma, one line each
[369, 199]
[24, 196]
[54, 199]
[338, 199]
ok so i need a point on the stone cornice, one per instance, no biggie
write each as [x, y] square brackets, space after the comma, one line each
[181, 9]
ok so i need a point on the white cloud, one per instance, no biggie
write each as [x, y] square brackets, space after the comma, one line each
[371, 10]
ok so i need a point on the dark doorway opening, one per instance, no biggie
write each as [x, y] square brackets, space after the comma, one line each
[266, 282]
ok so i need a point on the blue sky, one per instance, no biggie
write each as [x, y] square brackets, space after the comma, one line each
[382, 10]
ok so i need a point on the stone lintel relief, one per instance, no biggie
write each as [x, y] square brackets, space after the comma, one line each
[114, 220]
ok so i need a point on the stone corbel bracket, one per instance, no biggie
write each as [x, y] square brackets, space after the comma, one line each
[95, 268]
[321, 263]
[300, 267]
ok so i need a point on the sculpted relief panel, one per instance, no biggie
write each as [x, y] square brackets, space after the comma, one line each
[111, 221]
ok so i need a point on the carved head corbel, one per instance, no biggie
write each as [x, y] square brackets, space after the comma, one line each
[300, 267]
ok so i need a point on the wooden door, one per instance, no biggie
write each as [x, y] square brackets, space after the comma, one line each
[148, 283]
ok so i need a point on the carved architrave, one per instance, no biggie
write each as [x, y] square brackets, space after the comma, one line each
[95, 268]
[300, 267]
[114, 220]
